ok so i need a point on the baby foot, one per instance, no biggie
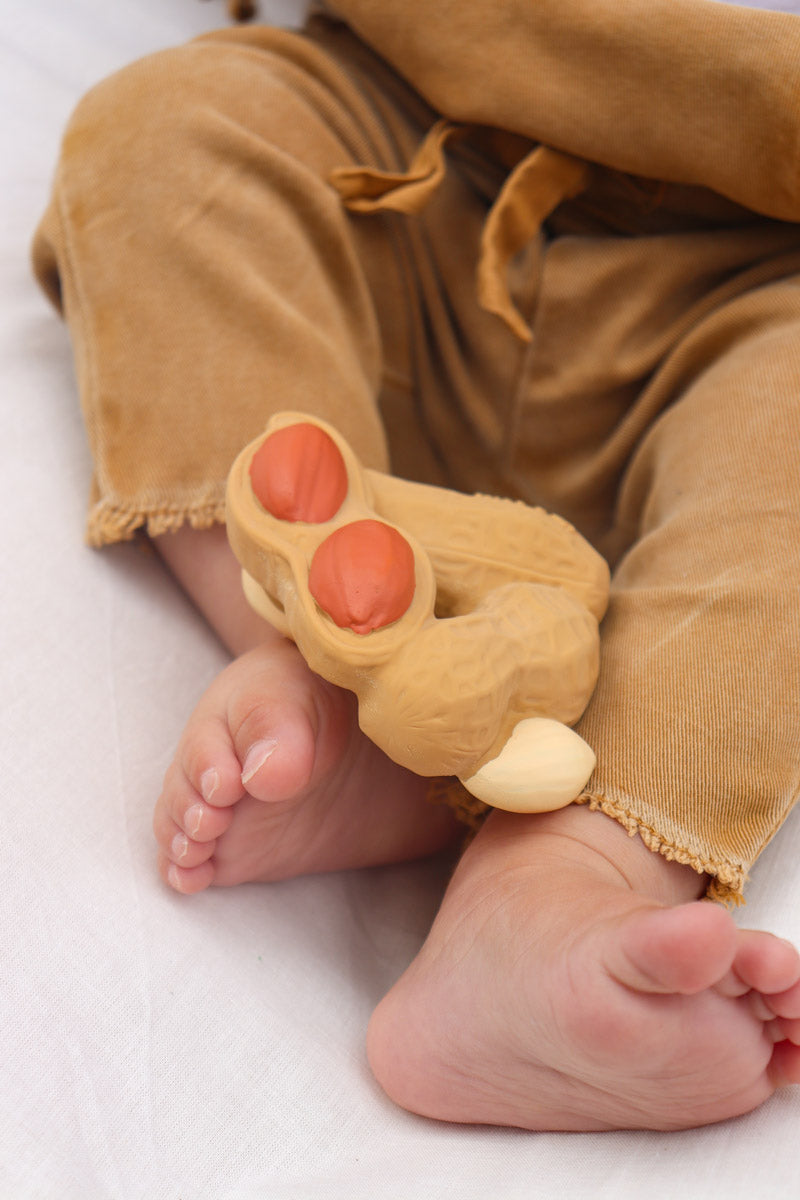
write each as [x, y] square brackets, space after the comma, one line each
[273, 778]
[552, 995]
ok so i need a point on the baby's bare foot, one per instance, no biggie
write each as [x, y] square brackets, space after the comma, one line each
[273, 778]
[559, 990]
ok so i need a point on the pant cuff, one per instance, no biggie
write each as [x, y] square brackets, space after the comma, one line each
[726, 879]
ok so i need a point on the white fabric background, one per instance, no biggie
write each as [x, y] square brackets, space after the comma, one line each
[153, 1046]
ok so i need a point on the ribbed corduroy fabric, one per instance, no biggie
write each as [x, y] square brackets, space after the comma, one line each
[546, 250]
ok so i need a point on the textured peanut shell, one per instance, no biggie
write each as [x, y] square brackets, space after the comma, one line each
[521, 591]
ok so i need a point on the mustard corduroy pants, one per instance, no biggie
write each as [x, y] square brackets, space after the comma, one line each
[542, 250]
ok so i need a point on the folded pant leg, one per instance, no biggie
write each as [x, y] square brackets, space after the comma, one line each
[689, 91]
[696, 717]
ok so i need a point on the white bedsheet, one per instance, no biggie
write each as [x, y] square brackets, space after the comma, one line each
[153, 1046]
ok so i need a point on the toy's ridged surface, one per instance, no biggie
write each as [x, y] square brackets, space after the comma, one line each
[477, 543]
[449, 701]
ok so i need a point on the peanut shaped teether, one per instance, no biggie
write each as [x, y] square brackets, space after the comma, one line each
[466, 625]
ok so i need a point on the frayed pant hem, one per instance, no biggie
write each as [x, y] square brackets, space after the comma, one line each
[727, 880]
[109, 522]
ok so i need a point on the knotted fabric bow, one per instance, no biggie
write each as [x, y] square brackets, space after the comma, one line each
[535, 187]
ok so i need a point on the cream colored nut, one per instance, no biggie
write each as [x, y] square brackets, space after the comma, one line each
[543, 766]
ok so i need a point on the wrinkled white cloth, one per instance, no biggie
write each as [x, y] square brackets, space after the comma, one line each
[155, 1047]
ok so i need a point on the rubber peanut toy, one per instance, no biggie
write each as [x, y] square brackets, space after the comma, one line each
[467, 626]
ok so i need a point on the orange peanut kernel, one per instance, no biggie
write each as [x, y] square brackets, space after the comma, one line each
[298, 474]
[362, 576]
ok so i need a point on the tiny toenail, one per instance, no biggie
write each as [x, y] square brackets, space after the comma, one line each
[193, 819]
[209, 782]
[180, 846]
[256, 756]
[174, 878]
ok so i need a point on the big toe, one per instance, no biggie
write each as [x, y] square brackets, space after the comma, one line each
[277, 753]
[681, 950]
[291, 737]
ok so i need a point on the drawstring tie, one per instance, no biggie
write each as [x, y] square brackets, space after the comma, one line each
[531, 192]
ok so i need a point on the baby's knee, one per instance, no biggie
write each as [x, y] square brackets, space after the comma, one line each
[187, 115]
[133, 132]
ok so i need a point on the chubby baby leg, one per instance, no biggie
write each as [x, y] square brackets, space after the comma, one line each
[272, 776]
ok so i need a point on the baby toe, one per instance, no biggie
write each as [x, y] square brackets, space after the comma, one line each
[185, 852]
[786, 1004]
[758, 1007]
[784, 1068]
[784, 1030]
[208, 760]
[199, 821]
[186, 880]
[767, 964]
[180, 808]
